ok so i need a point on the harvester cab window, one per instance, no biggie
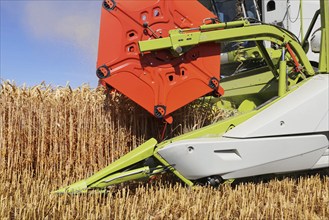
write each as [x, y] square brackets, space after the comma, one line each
[226, 10]
[207, 4]
[230, 10]
[252, 9]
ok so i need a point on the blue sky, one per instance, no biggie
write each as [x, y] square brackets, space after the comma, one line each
[53, 41]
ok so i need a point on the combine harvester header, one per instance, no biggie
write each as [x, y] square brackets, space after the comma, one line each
[163, 54]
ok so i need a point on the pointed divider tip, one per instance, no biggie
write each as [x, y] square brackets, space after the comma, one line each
[140, 153]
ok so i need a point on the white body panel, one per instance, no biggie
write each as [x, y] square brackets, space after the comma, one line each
[294, 15]
[233, 158]
[274, 16]
[303, 111]
[263, 144]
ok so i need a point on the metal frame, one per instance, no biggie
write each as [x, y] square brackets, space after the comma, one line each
[324, 54]
[230, 32]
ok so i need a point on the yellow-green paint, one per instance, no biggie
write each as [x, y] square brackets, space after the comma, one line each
[301, 20]
[245, 33]
[223, 25]
[282, 78]
[248, 105]
[140, 153]
[116, 178]
[324, 53]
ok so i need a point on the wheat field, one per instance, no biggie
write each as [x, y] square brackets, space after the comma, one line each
[51, 137]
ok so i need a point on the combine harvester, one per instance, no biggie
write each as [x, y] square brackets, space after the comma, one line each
[163, 54]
